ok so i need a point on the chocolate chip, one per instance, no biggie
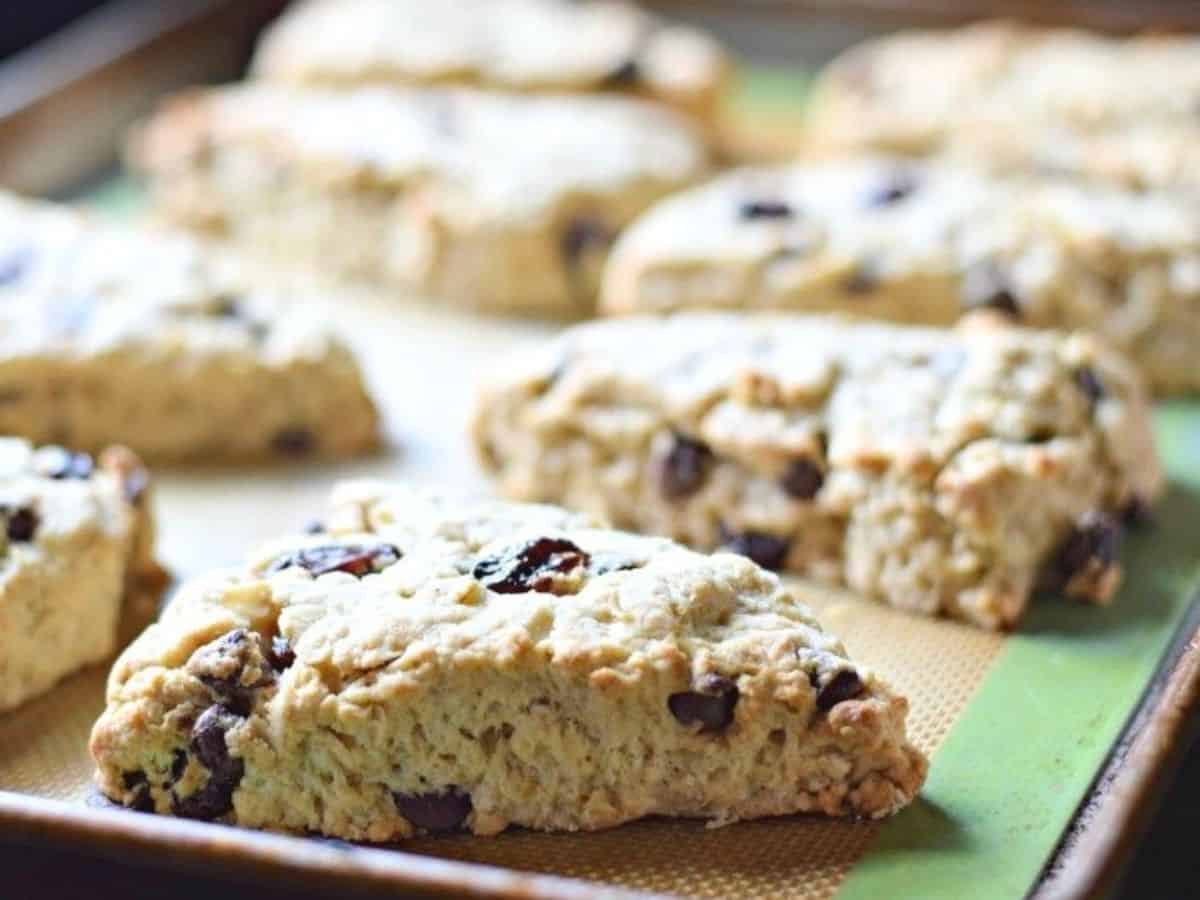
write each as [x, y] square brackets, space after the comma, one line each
[582, 236]
[897, 188]
[314, 526]
[221, 664]
[281, 656]
[227, 307]
[21, 524]
[710, 704]
[1096, 538]
[754, 210]
[234, 307]
[845, 685]
[530, 566]
[625, 75]
[768, 551]
[864, 279]
[60, 463]
[14, 264]
[803, 479]
[208, 744]
[436, 811]
[139, 785]
[354, 559]
[179, 761]
[1137, 514]
[685, 468]
[1089, 382]
[985, 286]
[294, 441]
[208, 737]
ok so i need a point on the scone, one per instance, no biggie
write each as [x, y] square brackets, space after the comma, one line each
[1065, 99]
[924, 242]
[496, 202]
[76, 544]
[432, 664]
[114, 335]
[947, 472]
[510, 45]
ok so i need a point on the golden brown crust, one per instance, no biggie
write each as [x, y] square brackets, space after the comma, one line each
[521, 664]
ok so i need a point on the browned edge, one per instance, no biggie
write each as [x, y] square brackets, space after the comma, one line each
[1122, 800]
[161, 841]
[90, 81]
[1107, 15]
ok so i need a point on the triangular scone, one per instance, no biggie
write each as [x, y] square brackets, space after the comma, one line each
[76, 540]
[112, 334]
[927, 242]
[915, 92]
[432, 664]
[499, 202]
[553, 46]
[943, 471]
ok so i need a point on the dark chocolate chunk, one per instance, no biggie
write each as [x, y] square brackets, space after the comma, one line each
[435, 811]
[234, 307]
[209, 746]
[355, 559]
[582, 236]
[294, 441]
[710, 704]
[21, 524]
[227, 307]
[768, 551]
[530, 566]
[137, 783]
[221, 663]
[179, 762]
[60, 463]
[281, 656]
[1089, 382]
[625, 75]
[685, 468]
[803, 479]
[1095, 539]
[864, 279]
[900, 186]
[845, 685]
[985, 286]
[755, 210]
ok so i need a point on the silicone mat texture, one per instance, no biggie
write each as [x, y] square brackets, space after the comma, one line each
[1017, 726]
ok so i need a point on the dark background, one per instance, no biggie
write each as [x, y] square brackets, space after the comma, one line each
[1167, 865]
[24, 21]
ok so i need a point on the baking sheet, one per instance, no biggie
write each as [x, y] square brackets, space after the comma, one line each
[1018, 726]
